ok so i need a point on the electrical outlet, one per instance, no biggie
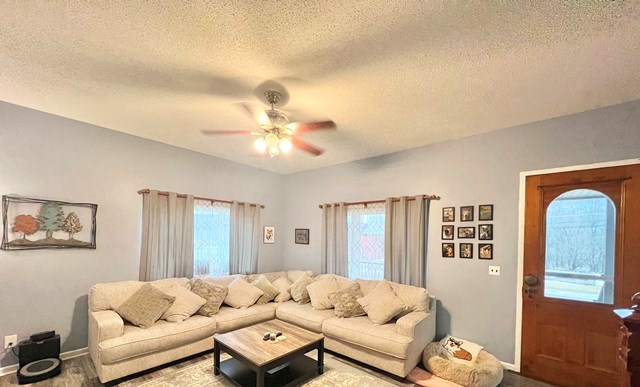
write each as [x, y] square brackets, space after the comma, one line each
[494, 270]
[10, 341]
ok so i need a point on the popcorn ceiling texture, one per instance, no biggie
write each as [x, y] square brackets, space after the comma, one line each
[393, 74]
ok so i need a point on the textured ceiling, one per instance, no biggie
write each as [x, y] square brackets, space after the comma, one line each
[392, 74]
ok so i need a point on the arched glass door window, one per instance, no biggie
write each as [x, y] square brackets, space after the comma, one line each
[580, 247]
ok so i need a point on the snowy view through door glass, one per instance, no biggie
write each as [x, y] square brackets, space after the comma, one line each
[580, 247]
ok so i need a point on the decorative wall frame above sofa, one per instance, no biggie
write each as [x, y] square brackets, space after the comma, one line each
[30, 224]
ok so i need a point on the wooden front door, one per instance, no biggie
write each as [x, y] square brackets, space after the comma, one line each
[581, 261]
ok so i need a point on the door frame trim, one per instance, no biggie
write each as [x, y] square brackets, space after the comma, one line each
[521, 206]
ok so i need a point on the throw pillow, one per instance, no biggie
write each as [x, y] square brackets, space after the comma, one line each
[299, 291]
[346, 302]
[319, 292]
[415, 298]
[282, 284]
[213, 294]
[242, 294]
[185, 305]
[382, 304]
[270, 291]
[145, 306]
[459, 351]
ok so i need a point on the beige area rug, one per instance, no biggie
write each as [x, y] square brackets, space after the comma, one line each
[337, 372]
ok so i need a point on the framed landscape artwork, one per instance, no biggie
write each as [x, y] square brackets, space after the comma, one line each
[47, 224]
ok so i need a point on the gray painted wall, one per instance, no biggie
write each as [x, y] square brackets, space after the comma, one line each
[470, 171]
[47, 156]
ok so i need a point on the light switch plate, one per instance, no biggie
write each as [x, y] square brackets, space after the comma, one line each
[494, 270]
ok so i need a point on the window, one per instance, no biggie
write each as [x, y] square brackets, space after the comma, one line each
[365, 234]
[580, 247]
[211, 231]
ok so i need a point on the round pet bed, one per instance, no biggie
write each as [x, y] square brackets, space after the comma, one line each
[485, 372]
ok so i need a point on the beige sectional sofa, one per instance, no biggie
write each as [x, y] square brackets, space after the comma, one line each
[119, 349]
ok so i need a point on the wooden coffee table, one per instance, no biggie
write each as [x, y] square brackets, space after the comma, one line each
[253, 359]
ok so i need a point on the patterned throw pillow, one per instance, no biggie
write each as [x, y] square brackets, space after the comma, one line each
[382, 304]
[282, 284]
[299, 291]
[319, 292]
[346, 302]
[214, 294]
[270, 291]
[145, 306]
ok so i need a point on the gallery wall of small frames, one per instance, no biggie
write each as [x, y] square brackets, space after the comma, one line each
[467, 231]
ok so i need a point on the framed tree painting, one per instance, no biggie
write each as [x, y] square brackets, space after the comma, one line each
[47, 224]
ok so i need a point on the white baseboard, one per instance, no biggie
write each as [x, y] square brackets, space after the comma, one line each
[63, 356]
[510, 367]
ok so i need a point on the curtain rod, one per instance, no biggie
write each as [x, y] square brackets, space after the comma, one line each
[165, 193]
[365, 203]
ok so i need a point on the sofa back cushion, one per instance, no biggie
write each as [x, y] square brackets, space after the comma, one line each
[224, 280]
[271, 276]
[109, 296]
[295, 275]
[416, 298]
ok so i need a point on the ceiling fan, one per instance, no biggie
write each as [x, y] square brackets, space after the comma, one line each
[276, 133]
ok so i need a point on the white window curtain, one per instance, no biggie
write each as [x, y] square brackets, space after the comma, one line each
[211, 232]
[334, 245]
[167, 236]
[245, 238]
[405, 240]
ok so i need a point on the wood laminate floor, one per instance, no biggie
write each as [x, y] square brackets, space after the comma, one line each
[80, 371]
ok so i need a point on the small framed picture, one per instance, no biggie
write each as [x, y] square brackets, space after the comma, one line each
[485, 250]
[466, 214]
[485, 212]
[269, 235]
[448, 214]
[302, 236]
[485, 232]
[466, 250]
[447, 232]
[466, 232]
[448, 250]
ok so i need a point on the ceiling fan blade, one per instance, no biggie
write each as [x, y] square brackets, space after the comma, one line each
[223, 132]
[305, 146]
[257, 114]
[304, 127]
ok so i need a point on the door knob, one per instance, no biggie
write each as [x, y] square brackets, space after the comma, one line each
[531, 280]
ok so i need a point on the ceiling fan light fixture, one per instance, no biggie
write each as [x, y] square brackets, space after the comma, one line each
[285, 145]
[274, 151]
[260, 145]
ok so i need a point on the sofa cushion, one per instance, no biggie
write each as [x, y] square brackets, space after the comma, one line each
[299, 291]
[319, 292]
[270, 291]
[109, 296]
[415, 298]
[294, 275]
[229, 319]
[145, 306]
[242, 294]
[345, 302]
[382, 304]
[271, 276]
[214, 294]
[304, 316]
[282, 284]
[361, 331]
[185, 305]
[161, 336]
[224, 280]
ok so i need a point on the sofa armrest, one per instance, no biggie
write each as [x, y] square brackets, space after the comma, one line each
[407, 324]
[105, 325]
